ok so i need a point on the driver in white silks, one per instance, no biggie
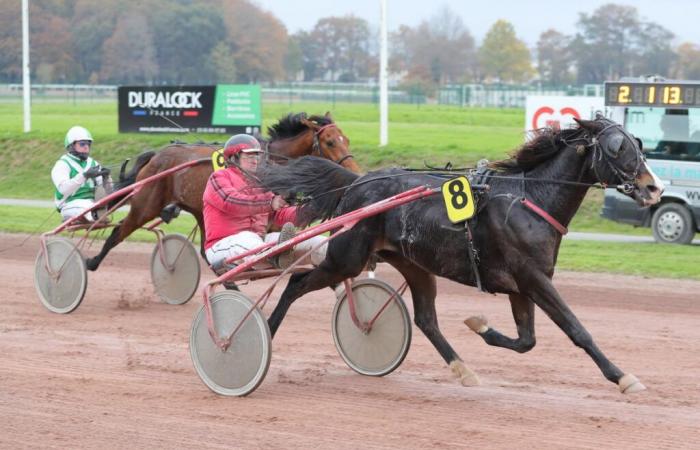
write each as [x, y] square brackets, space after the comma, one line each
[76, 176]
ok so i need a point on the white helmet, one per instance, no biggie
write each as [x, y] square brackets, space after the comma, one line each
[76, 134]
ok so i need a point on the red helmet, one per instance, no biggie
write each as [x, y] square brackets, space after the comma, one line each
[241, 143]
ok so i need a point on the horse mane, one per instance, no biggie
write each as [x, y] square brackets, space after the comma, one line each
[291, 125]
[543, 146]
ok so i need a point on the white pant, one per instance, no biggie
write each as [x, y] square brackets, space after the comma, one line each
[244, 241]
[75, 207]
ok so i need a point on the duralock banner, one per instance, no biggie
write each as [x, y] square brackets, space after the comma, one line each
[225, 108]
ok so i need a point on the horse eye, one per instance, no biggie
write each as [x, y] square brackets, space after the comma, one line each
[330, 143]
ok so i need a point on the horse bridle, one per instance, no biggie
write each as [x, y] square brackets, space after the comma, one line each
[316, 146]
[608, 155]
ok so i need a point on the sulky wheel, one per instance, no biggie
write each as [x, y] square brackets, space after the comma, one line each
[241, 368]
[177, 283]
[62, 292]
[383, 348]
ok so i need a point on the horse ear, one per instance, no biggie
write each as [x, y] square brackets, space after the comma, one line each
[310, 124]
[328, 115]
[590, 125]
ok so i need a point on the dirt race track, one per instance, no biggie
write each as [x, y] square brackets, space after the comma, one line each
[117, 372]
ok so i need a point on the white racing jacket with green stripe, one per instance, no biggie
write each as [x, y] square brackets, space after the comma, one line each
[71, 184]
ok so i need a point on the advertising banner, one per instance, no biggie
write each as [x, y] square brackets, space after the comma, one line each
[225, 108]
[560, 111]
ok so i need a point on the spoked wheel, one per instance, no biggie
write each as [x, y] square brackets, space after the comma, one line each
[62, 292]
[241, 368]
[382, 349]
[177, 283]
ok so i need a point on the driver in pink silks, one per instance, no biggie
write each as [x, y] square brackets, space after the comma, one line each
[237, 211]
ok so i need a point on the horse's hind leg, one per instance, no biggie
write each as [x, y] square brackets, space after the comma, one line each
[424, 290]
[111, 242]
[524, 316]
[133, 221]
[538, 286]
[202, 235]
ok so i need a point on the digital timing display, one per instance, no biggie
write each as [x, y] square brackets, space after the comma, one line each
[662, 94]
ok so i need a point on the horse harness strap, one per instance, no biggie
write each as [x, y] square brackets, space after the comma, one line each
[545, 215]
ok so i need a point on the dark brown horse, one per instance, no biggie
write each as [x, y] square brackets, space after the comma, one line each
[292, 137]
[517, 246]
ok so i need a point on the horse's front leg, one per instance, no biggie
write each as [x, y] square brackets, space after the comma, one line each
[537, 286]
[300, 284]
[524, 316]
[346, 256]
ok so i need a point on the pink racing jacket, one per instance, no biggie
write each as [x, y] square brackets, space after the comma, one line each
[233, 203]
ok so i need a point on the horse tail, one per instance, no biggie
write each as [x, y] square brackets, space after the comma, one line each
[317, 182]
[130, 178]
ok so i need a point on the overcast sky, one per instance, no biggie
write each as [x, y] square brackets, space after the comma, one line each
[530, 18]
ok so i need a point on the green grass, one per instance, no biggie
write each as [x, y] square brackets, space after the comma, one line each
[646, 259]
[651, 259]
[33, 220]
[431, 133]
[436, 134]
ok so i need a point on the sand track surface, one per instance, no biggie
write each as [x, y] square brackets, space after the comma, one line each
[116, 373]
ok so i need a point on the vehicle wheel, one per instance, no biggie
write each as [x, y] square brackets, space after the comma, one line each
[241, 368]
[63, 293]
[383, 349]
[178, 285]
[673, 224]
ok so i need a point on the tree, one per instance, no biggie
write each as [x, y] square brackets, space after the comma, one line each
[258, 40]
[221, 64]
[614, 42]
[10, 41]
[91, 25]
[51, 39]
[310, 51]
[293, 59]
[438, 50]
[687, 65]
[554, 58]
[656, 56]
[129, 54]
[503, 56]
[187, 34]
[343, 43]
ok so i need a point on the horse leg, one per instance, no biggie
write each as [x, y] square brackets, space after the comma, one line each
[524, 315]
[202, 236]
[538, 286]
[424, 290]
[346, 257]
[133, 221]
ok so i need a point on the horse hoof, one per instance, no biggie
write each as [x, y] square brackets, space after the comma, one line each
[629, 384]
[465, 376]
[90, 264]
[478, 324]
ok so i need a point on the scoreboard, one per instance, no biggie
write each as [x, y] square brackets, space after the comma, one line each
[663, 94]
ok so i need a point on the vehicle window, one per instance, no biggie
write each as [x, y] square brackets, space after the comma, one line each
[666, 133]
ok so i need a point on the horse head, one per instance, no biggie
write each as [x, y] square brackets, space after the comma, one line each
[329, 142]
[616, 159]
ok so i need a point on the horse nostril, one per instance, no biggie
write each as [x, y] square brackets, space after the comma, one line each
[653, 189]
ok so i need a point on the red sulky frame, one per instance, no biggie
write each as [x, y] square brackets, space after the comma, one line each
[338, 224]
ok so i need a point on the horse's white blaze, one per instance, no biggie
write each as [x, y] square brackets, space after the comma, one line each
[656, 195]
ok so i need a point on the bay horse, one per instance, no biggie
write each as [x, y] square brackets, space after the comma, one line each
[516, 247]
[293, 136]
